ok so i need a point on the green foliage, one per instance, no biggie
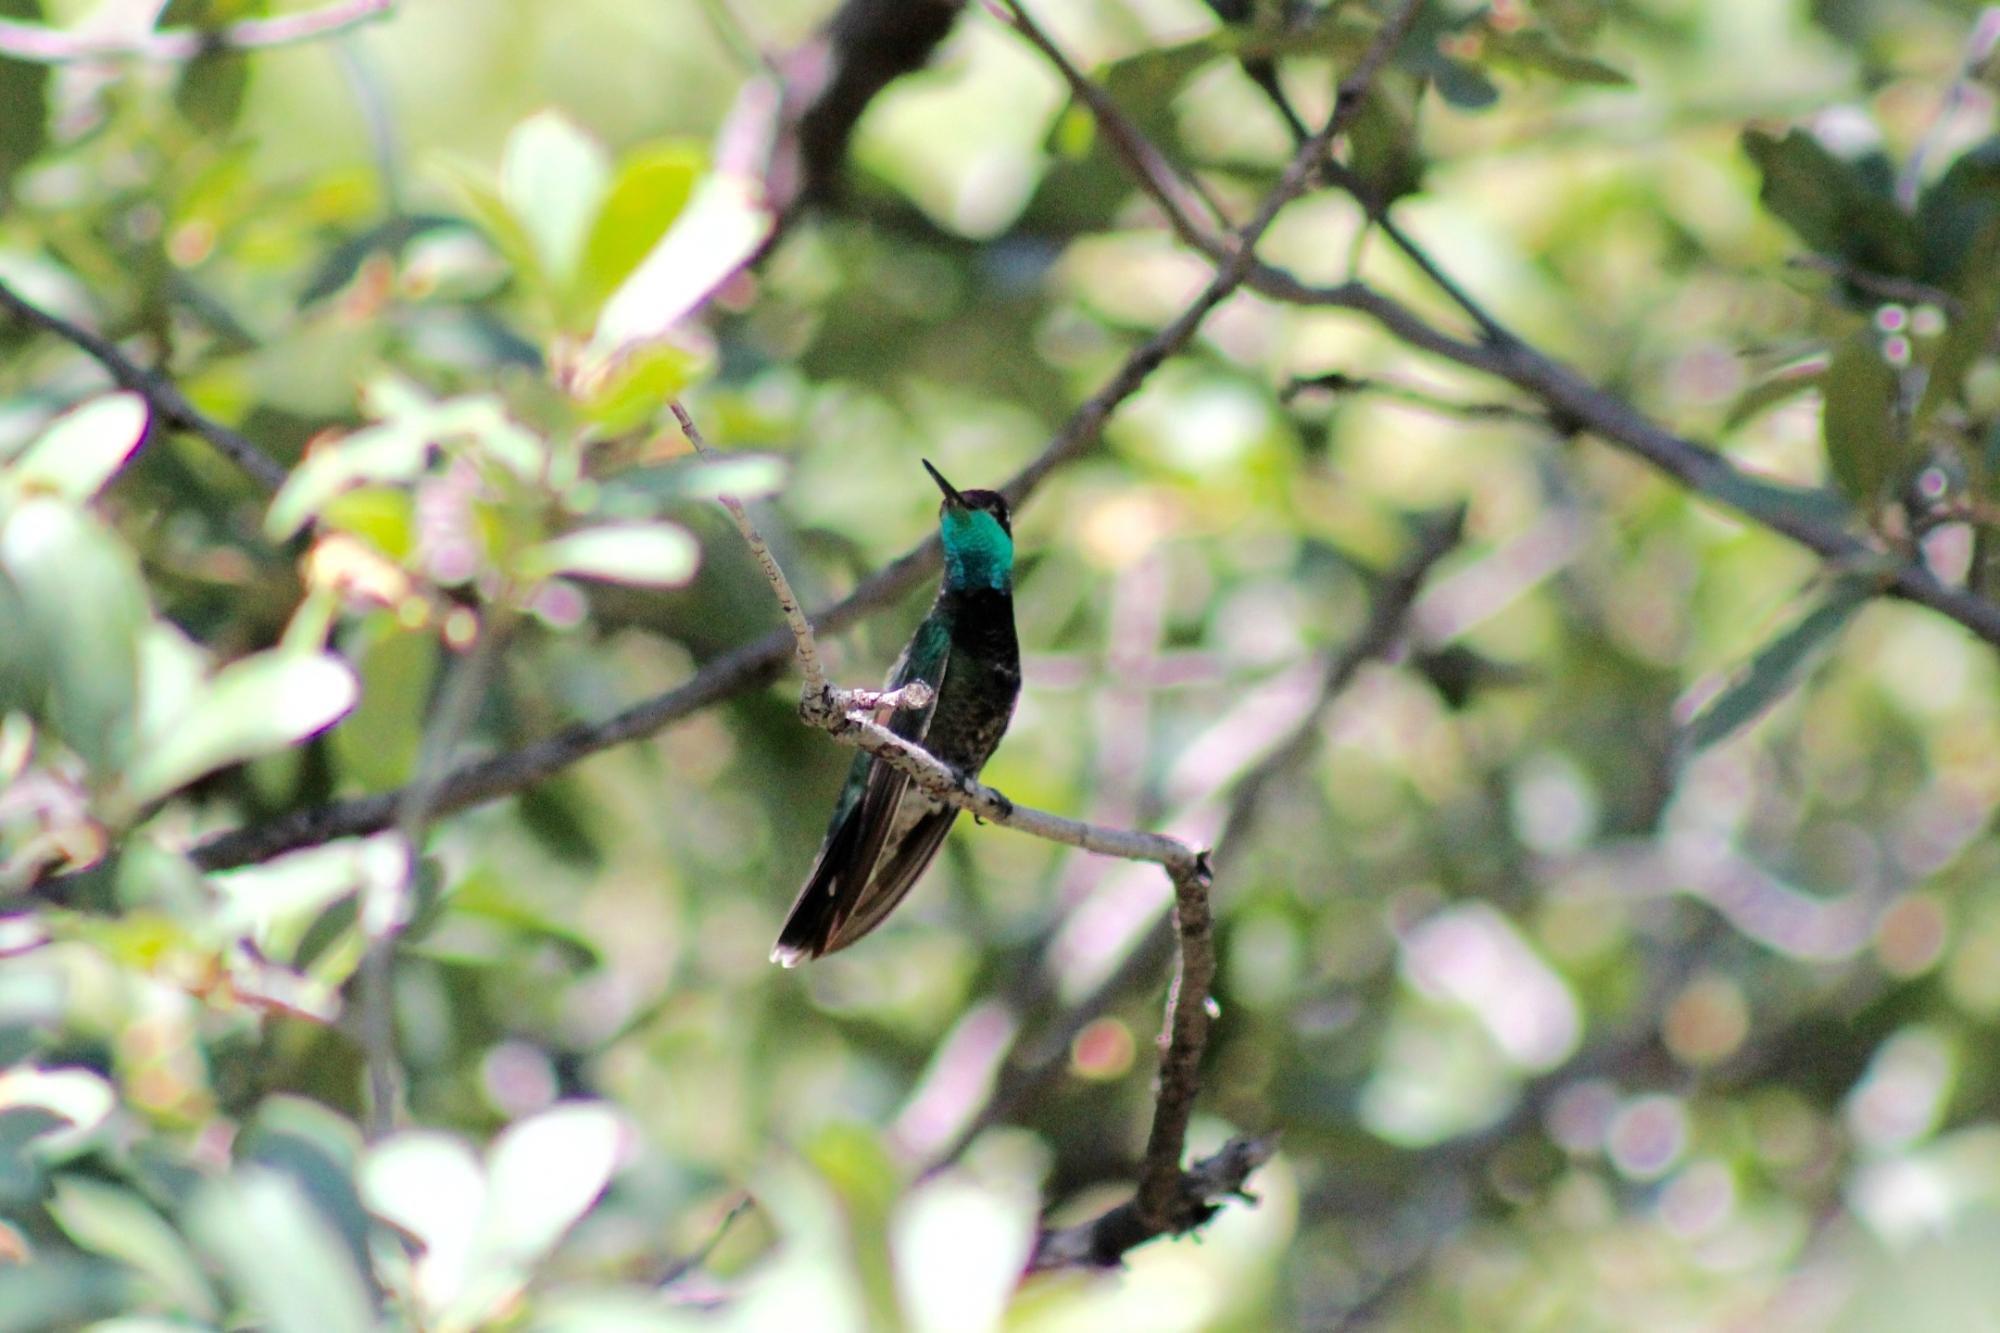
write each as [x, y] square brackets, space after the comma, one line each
[1567, 1005]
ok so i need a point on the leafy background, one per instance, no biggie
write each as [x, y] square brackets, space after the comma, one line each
[1621, 957]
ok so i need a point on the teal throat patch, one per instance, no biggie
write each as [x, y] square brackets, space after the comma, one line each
[978, 553]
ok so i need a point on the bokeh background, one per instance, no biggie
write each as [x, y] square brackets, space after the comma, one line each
[1569, 1012]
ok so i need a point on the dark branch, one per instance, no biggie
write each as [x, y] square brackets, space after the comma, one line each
[170, 406]
[1194, 1196]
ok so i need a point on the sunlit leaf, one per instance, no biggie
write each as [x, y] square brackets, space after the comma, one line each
[281, 1257]
[392, 451]
[382, 516]
[721, 227]
[431, 1186]
[1776, 668]
[625, 393]
[252, 707]
[657, 554]
[960, 1250]
[648, 194]
[553, 176]
[543, 1174]
[79, 1101]
[84, 448]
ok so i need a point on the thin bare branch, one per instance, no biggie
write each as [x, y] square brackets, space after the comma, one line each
[1339, 384]
[170, 406]
[43, 45]
[788, 601]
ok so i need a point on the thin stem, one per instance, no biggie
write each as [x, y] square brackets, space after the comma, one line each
[788, 601]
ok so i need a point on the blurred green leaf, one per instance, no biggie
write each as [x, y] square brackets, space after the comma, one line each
[1864, 445]
[960, 1249]
[281, 1257]
[718, 231]
[1969, 332]
[553, 177]
[1955, 213]
[1835, 208]
[543, 1174]
[211, 88]
[378, 742]
[1776, 668]
[116, 1223]
[651, 188]
[392, 451]
[382, 516]
[24, 115]
[739, 476]
[319, 1150]
[1531, 49]
[632, 389]
[79, 595]
[657, 554]
[430, 1185]
[60, 1292]
[253, 707]
[77, 455]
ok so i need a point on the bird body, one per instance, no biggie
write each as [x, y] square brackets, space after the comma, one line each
[885, 829]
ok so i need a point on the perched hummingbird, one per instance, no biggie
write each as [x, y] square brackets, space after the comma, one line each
[885, 829]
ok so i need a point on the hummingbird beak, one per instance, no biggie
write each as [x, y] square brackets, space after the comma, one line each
[951, 494]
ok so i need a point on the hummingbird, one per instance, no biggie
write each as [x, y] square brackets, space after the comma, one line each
[885, 829]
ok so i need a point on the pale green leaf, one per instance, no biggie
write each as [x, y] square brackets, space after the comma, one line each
[739, 476]
[280, 1255]
[78, 595]
[656, 554]
[82, 450]
[543, 1174]
[552, 177]
[377, 743]
[651, 189]
[960, 1249]
[719, 230]
[253, 707]
[431, 1186]
[105, 1219]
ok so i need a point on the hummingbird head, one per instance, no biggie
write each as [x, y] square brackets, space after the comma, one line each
[978, 539]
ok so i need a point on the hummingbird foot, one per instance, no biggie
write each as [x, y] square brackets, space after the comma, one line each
[970, 786]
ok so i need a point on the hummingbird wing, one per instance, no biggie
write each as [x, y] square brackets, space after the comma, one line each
[897, 875]
[866, 815]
